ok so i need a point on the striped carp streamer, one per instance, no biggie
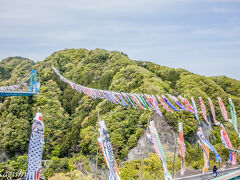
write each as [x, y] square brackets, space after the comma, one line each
[182, 148]
[154, 102]
[170, 104]
[140, 97]
[233, 116]
[213, 112]
[227, 143]
[195, 109]
[164, 104]
[158, 148]
[35, 149]
[207, 143]
[107, 150]
[182, 107]
[205, 150]
[204, 111]
[185, 101]
[223, 110]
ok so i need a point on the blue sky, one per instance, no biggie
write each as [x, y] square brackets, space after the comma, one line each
[202, 36]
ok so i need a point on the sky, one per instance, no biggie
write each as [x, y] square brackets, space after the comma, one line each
[202, 36]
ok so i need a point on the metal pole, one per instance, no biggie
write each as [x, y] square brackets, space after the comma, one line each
[35, 83]
[97, 153]
[31, 84]
[198, 158]
[96, 164]
[238, 143]
[174, 160]
[219, 154]
[35, 75]
[140, 174]
[198, 150]
[143, 150]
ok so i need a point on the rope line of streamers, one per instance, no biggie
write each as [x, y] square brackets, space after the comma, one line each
[151, 102]
[15, 86]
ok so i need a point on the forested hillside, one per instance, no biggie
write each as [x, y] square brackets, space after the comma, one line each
[70, 118]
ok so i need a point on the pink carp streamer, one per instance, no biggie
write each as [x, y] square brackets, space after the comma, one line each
[227, 143]
[164, 104]
[154, 102]
[182, 148]
[223, 110]
[204, 111]
[213, 112]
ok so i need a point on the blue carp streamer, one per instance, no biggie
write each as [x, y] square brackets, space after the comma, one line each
[35, 148]
[208, 144]
[107, 150]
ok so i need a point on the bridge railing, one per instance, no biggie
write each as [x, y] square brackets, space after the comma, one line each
[22, 89]
[208, 175]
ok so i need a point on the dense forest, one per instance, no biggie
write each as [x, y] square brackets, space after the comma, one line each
[71, 118]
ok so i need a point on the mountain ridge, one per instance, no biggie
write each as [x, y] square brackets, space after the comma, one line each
[71, 118]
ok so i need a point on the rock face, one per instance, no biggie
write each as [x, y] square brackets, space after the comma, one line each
[3, 156]
[166, 135]
[206, 128]
[102, 173]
